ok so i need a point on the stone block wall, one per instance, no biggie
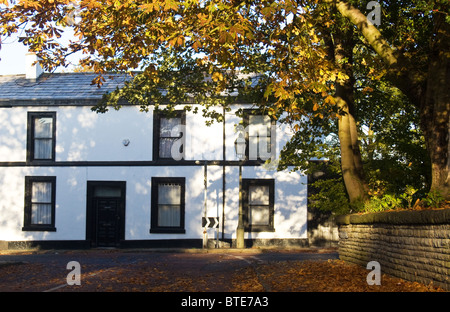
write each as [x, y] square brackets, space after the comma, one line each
[412, 245]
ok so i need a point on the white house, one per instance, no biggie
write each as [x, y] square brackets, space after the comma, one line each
[72, 178]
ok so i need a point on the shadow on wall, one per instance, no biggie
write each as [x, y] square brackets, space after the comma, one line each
[13, 135]
[13, 138]
[290, 210]
[12, 194]
[86, 135]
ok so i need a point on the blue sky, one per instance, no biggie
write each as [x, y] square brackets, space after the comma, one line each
[12, 55]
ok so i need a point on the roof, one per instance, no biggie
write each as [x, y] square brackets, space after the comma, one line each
[66, 89]
[57, 87]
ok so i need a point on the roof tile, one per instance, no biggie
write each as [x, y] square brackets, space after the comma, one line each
[57, 85]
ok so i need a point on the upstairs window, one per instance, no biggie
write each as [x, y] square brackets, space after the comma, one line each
[39, 214]
[169, 135]
[41, 136]
[259, 136]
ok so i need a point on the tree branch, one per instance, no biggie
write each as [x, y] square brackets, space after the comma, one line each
[368, 30]
[410, 81]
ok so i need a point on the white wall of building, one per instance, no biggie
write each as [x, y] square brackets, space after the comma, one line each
[13, 134]
[83, 135]
[290, 202]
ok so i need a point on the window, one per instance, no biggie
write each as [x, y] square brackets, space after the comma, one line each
[258, 204]
[167, 211]
[41, 136]
[39, 204]
[169, 135]
[260, 135]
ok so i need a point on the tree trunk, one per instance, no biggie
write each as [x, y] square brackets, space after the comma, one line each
[434, 109]
[352, 171]
[428, 90]
[351, 160]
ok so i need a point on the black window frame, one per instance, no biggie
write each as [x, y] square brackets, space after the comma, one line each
[154, 227]
[32, 116]
[246, 183]
[246, 123]
[28, 226]
[157, 115]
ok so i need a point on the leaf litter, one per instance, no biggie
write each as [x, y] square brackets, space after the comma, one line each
[277, 276]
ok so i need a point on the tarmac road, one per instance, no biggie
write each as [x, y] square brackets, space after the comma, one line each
[186, 279]
[139, 270]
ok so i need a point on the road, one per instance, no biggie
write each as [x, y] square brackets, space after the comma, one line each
[196, 280]
[215, 270]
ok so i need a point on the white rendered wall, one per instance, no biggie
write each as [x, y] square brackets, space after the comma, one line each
[71, 188]
[13, 134]
[290, 211]
[83, 135]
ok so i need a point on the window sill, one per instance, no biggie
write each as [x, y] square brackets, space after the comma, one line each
[37, 162]
[167, 231]
[39, 228]
[259, 229]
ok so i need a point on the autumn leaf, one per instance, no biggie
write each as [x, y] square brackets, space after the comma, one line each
[217, 77]
[330, 100]
[149, 7]
[170, 5]
[196, 45]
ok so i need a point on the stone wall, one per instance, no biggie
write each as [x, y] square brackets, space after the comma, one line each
[412, 245]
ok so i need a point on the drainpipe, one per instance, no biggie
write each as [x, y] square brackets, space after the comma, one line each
[240, 228]
[224, 172]
[240, 152]
[205, 183]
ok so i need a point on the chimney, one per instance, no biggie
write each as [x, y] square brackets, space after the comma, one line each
[33, 70]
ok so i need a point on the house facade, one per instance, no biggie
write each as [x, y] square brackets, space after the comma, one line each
[72, 178]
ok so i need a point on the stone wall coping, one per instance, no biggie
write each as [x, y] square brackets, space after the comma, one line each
[430, 216]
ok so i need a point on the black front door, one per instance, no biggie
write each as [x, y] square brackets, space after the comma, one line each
[107, 221]
[105, 213]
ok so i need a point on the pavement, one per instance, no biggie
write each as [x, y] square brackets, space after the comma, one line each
[19, 256]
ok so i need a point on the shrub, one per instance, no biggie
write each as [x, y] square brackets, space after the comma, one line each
[387, 202]
[408, 195]
[433, 199]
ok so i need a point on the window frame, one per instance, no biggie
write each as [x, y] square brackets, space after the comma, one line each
[28, 226]
[31, 118]
[246, 123]
[157, 115]
[246, 183]
[154, 227]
